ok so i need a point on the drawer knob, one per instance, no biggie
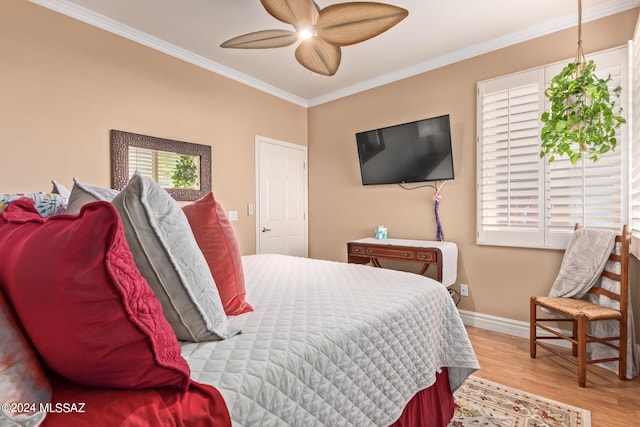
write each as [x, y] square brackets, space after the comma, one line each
[369, 251]
[406, 254]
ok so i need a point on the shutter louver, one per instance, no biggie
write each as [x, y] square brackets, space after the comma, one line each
[166, 164]
[635, 134]
[508, 191]
[141, 160]
[587, 194]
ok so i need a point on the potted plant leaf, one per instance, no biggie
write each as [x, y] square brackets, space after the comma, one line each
[185, 174]
[583, 117]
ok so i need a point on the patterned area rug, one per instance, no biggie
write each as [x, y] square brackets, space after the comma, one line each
[485, 403]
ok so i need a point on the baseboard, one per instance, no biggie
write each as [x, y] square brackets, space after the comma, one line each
[503, 325]
[494, 323]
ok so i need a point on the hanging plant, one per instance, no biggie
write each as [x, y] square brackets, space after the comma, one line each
[584, 117]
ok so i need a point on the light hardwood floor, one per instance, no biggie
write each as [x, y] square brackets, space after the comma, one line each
[505, 359]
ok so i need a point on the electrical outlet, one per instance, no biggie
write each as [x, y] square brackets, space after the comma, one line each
[464, 290]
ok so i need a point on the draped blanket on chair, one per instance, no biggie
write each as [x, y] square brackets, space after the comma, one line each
[585, 258]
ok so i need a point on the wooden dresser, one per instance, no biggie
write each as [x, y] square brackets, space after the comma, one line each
[426, 252]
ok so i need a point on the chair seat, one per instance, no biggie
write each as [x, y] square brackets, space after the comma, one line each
[576, 307]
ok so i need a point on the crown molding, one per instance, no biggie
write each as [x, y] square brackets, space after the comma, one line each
[92, 18]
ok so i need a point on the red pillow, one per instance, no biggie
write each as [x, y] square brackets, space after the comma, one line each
[217, 241]
[200, 405]
[74, 286]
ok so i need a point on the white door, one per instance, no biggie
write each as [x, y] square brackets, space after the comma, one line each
[281, 176]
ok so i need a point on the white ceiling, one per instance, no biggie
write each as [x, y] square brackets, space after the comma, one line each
[435, 33]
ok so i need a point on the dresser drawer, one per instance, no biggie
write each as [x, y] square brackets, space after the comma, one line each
[427, 256]
[356, 250]
[391, 252]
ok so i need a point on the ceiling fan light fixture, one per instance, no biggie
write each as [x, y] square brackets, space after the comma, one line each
[321, 32]
[306, 33]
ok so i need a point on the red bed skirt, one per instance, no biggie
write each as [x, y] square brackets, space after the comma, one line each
[431, 407]
[202, 405]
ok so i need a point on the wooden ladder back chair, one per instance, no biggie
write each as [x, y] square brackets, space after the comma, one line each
[580, 312]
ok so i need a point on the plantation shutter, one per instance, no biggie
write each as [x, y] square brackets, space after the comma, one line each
[587, 193]
[141, 160]
[166, 164]
[154, 164]
[635, 139]
[510, 203]
[591, 193]
[523, 200]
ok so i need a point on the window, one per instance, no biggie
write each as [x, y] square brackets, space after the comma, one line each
[522, 200]
[635, 137]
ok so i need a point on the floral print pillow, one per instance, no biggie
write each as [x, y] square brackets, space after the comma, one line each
[22, 379]
[46, 204]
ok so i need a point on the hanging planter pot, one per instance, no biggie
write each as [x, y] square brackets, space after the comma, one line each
[583, 117]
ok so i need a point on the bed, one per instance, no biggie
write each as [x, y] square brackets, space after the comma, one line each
[325, 343]
[330, 343]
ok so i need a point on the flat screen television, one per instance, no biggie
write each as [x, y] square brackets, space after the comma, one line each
[418, 151]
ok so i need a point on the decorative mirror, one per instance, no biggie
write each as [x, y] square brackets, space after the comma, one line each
[182, 168]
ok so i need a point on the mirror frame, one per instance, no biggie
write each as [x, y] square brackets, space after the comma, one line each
[121, 141]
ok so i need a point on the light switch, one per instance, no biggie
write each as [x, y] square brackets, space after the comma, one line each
[250, 209]
[233, 215]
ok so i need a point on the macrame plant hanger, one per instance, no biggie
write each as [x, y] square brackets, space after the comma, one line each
[580, 59]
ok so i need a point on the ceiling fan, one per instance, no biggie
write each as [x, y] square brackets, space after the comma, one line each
[322, 31]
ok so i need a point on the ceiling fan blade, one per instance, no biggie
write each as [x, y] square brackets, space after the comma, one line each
[262, 40]
[319, 56]
[299, 13]
[344, 24]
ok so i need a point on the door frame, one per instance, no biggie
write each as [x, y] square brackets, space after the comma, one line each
[259, 142]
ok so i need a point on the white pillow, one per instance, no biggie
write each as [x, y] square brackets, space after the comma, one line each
[60, 189]
[168, 257]
[82, 193]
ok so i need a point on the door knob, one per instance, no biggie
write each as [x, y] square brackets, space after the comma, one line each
[265, 229]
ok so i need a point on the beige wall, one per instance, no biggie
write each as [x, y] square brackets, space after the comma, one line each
[65, 84]
[501, 279]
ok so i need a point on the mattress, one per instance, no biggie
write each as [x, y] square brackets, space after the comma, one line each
[331, 343]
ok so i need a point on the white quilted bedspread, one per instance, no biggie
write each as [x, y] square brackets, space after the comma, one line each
[332, 344]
